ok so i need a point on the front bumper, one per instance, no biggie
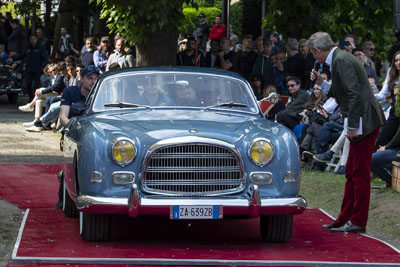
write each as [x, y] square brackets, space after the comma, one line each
[136, 205]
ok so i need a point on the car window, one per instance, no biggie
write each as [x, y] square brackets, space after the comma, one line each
[195, 90]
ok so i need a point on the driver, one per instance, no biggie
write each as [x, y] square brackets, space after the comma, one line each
[153, 95]
[190, 96]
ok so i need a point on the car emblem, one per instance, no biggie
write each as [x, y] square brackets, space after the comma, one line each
[193, 131]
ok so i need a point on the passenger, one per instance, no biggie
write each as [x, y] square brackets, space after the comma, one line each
[190, 97]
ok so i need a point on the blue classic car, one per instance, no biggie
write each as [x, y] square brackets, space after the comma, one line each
[188, 143]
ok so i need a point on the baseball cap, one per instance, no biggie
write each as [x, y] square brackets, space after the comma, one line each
[201, 15]
[105, 39]
[182, 41]
[89, 69]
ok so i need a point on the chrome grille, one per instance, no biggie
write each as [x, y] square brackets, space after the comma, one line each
[193, 169]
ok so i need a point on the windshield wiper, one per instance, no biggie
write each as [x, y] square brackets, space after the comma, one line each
[125, 105]
[227, 104]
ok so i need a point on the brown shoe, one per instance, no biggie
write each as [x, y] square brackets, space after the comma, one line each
[333, 224]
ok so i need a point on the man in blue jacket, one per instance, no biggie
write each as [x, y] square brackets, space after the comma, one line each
[34, 60]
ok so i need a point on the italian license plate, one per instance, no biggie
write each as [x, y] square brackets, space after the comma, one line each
[196, 212]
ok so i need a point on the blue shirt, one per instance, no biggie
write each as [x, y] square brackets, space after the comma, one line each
[71, 95]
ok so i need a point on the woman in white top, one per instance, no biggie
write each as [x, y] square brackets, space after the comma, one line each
[391, 81]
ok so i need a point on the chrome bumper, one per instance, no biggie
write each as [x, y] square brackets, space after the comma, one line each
[135, 205]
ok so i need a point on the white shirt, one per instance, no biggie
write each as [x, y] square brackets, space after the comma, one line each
[383, 93]
[326, 86]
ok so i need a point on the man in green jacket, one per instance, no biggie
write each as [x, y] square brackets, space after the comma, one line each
[363, 119]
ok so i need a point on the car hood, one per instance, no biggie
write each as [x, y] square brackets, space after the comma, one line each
[159, 124]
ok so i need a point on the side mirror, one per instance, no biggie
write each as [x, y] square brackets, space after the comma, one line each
[273, 98]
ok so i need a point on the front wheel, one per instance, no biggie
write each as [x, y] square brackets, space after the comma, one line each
[94, 227]
[276, 228]
[69, 207]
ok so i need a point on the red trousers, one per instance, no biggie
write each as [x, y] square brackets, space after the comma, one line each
[356, 197]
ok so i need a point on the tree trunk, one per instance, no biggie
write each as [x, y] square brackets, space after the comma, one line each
[251, 18]
[100, 28]
[47, 18]
[160, 50]
[73, 15]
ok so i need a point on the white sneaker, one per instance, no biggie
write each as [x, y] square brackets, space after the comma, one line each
[26, 108]
[34, 129]
[29, 124]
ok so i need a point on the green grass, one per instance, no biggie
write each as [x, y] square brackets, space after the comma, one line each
[325, 190]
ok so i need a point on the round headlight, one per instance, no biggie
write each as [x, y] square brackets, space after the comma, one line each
[123, 151]
[261, 151]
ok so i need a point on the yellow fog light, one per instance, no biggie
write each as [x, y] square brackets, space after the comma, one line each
[261, 151]
[123, 151]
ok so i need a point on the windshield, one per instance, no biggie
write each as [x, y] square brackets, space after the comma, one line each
[194, 90]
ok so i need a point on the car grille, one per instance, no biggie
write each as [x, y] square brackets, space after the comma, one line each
[193, 169]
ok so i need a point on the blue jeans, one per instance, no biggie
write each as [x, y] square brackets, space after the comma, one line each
[381, 164]
[51, 100]
[51, 114]
[328, 134]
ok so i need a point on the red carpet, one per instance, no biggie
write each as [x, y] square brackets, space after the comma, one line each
[50, 239]
[48, 235]
[29, 185]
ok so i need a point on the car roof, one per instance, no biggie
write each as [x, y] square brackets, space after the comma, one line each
[182, 69]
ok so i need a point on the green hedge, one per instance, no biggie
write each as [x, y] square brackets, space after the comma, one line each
[191, 19]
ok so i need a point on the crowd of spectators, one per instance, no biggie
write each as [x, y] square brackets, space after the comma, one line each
[269, 64]
[47, 71]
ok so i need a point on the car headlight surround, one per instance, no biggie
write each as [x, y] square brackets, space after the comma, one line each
[261, 151]
[123, 151]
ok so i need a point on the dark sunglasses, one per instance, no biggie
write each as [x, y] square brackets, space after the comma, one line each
[291, 85]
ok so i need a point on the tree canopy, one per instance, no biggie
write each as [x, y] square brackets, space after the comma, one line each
[367, 19]
[138, 20]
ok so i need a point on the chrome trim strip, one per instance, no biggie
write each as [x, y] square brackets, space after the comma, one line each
[84, 201]
[148, 202]
[190, 140]
[134, 201]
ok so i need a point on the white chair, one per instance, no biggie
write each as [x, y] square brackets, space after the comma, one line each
[335, 161]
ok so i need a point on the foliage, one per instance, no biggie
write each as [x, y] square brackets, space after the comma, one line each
[25, 7]
[191, 20]
[367, 19]
[137, 20]
[8, 7]
[206, 3]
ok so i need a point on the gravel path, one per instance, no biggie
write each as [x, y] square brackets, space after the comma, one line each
[20, 146]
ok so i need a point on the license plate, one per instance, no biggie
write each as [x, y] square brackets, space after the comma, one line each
[196, 212]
